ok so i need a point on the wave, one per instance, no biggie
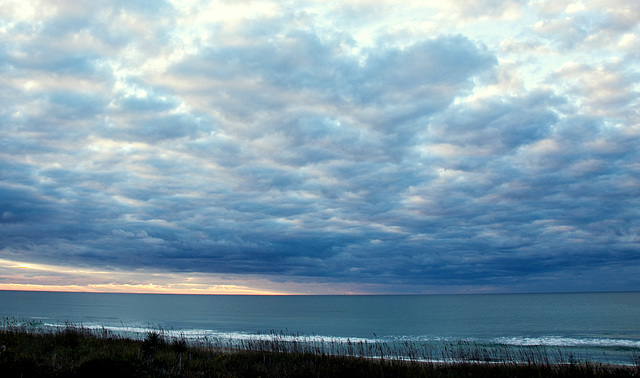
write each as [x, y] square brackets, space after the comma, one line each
[202, 334]
[559, 341]
[139, 331]
[543, 341]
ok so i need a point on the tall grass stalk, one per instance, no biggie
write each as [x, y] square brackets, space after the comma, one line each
[30, 349]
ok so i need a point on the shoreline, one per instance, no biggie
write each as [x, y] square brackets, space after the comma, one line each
[562, 347]
[75, 351]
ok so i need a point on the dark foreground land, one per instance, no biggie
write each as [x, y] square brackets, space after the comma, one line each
[77, 352]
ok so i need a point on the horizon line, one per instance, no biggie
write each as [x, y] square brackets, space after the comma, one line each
[43, 290]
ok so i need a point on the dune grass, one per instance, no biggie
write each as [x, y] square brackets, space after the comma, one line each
[74, 351]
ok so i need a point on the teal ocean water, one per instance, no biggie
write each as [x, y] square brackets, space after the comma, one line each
[603, 327]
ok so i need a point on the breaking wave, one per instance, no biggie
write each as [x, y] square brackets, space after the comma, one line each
[559, 341]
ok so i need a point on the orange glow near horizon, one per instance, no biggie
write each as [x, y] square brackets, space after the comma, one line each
[139, 289]
[17, 275]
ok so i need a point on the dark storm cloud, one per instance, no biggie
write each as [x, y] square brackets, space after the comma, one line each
[279, 146]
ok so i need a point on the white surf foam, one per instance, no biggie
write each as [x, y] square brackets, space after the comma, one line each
[560, 341]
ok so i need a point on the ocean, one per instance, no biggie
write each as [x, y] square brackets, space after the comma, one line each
[597, 327]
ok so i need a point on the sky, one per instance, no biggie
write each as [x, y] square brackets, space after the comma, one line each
[320, 147]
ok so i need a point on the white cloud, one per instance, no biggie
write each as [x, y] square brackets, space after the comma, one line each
[601, 91]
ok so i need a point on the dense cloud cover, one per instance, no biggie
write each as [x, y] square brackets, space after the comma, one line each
[353, 146]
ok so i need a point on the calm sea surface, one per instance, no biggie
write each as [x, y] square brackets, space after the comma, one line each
[600, 326]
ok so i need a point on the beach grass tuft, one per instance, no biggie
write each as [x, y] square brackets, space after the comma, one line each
[29, 350]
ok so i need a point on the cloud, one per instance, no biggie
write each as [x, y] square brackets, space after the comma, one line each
[594, 25]
[496, 126]
[490, 9]
[604, 90]
[414, 150]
